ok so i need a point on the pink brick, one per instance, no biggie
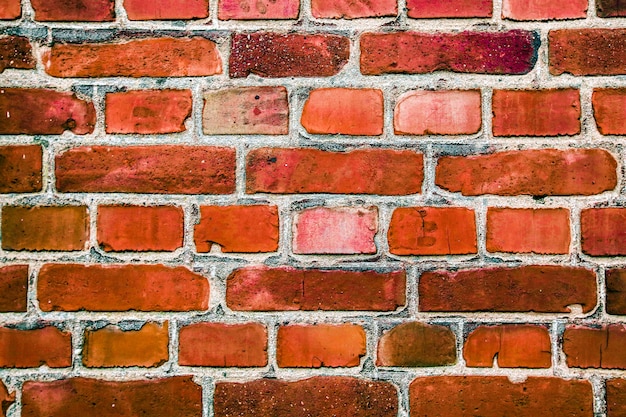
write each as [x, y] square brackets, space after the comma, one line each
[350, 9]
[438, 113]
[343, 230]
[258, 9]
[428, 9]
[166, 9]
[544, 9]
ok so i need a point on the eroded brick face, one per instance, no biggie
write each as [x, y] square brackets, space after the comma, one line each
[290, 208]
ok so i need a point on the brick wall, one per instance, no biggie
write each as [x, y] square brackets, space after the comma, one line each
[314, 208]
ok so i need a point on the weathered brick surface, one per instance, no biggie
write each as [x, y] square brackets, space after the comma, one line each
[587, 347]
[424, 9]
[16, 52]
[166, 9]
[32, 348]
[587, 51]
[610, 8]
[417, 344]
[10, 9]
[544, 9]
[616, 291]
[20, 169]
[603, 231]
[615, 397]
[346, 9]
[74, 10]
[260, 9]
[13, 288]
[609, 107]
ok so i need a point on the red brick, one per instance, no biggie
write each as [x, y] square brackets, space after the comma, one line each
[166, 9]
[610, 8]
[276, 289]
[432, 231]
[16, 52]
[616, 291]
[44, 112]
[13, 288]
[163, 169]
[238, 228]
[10, 9]
[291, 55]
[512, 52]
[193, 57]
[317, 396]
[6, 399]
[587, 51]
[33, 348]
[417, 344]
[348, 9]
[63, 228]
[362, 171]
[320, 345]
[73, 287]
[335, 230]
[438, 113]
[256, 10]
[148, 111]
[609, 109]
[616, 397]
[164, 397]
[539, 172]
[539, 289]
[544, 231]
[20, 169]
[74, 10]
[223, 345]
[426, 9]
[536, 112]
[347, 111]
[497, 396]
[601, 347]
[544, 9]
[112, 347]
[135, 228]
[603, 231]
[514, 346]
[246, 111]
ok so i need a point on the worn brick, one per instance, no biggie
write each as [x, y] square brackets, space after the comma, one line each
[616, 397]
[194, 57]
[417, 344]
[73, 287]
[616, 291]
[347, 111]
[610, 8]
[20, 169]
[246, 111]
[163, 169]
[536, 112]
[496, 396]
[62, 228]
[223, 345]
[159, 397]
[603, 231]
[44, 112]
[438, 113]
[587, 51]
[320, 345]
[74, 10]
[10, 9]
[136, 228]
[609, 110]
[166, 9]
[112, 347]
[540, 289]
[544, 231]
[317, 396]
[349, 9]
[544, 9]
[33, 348]
[361, 171]
[16, 52]
[514, 346]
[276, 289]
[426, 9]
[6, 399]
[587, 347]
[512, 52]
[258, 9]
[335, 230]
[147, 111]
[13, 288]
[271, 55]
[238, 228]
[538, 172]
[432, 231]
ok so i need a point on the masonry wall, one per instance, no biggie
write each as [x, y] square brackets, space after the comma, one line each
[315, 208]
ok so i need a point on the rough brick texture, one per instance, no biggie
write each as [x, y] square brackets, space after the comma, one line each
[20, 169]
[610, 8]
[259, 9]
[417, 344]
[587, 51]
[166, 9]
[544, 9]
[602, 347]
[616, 291]
[74, 10]
[424, 9]
[603, 231]
[10, 9]
[609, 107]
[13, 288]
[32, 348]
[16, 52]
[346, 9]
